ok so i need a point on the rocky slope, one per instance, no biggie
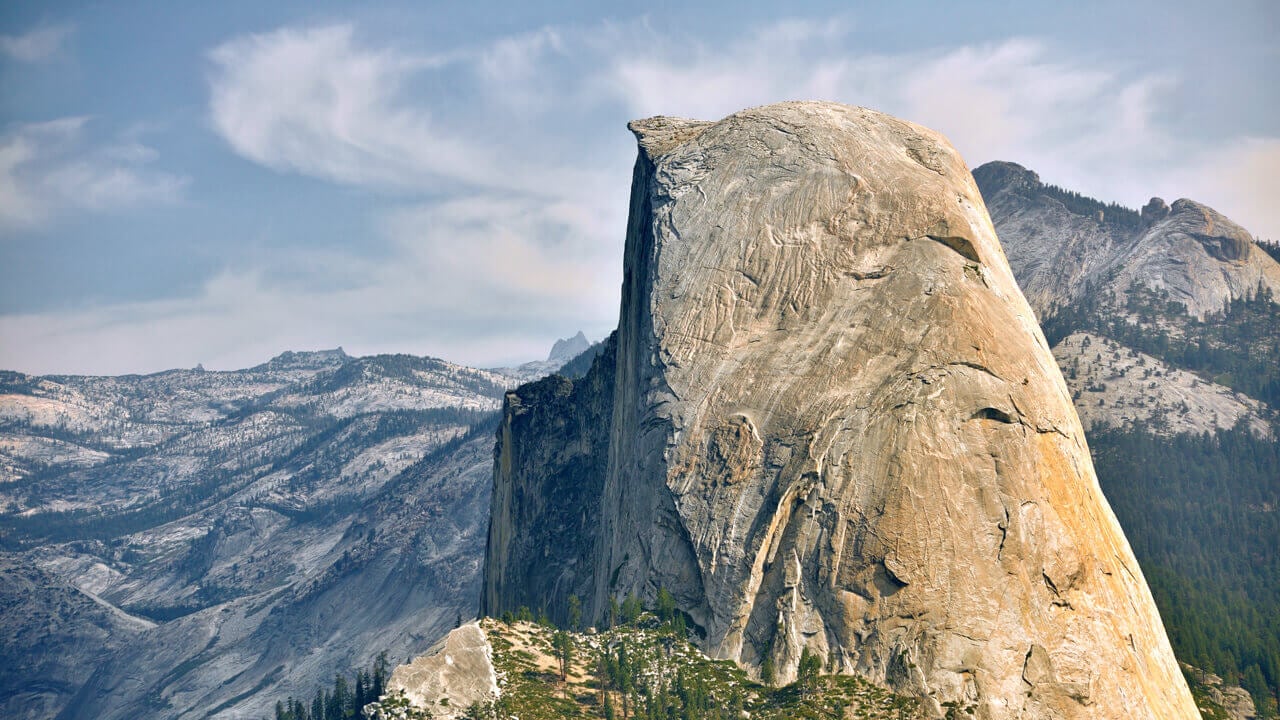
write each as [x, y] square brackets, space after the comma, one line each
[1218, 701]
[1068, 246]
[1119, 387]
[53, 636]
[835, 426]
[199, 544]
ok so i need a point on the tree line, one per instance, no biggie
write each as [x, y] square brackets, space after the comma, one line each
[344, 700]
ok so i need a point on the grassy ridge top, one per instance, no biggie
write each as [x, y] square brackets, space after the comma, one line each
[648, 670]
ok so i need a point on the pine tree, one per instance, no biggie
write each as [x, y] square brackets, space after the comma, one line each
[575, 613]
[317, 705]
[631, 610]
[807, 673]
[665, 605]
[562, 644]
[768, 675]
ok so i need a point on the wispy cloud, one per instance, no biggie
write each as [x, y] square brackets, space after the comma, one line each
[317, 102]
[36, 45]
[498, 242]
[516, 256]
[50, 166]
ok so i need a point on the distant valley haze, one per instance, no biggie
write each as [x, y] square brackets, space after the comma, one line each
[218, 183]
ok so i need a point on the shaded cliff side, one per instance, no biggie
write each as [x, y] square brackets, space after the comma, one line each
[835, 426]
[549, 464]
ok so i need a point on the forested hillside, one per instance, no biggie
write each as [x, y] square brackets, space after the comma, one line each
[1202, 516]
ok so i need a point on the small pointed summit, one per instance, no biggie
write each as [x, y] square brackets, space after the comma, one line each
[568, 348]
[1154, 211]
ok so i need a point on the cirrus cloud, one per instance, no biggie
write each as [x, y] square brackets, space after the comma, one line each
[35, 45]
[317, 102]
[51, 166]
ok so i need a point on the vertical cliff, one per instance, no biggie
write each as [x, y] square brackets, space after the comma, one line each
[835, 425]
[549, 464]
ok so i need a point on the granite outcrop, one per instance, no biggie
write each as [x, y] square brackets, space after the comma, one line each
[1060, 254]
[833, 424]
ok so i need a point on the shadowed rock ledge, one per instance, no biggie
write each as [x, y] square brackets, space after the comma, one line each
[829, 420]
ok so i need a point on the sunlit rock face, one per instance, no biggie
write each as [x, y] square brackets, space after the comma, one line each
[836, 425]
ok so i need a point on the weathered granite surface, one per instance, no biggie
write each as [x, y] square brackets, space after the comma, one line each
[836, 425]
[455, 674]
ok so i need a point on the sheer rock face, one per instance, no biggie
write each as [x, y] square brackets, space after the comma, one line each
[836, 425]
[549, 464]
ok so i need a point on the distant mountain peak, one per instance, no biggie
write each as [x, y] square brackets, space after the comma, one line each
[1063, 245]
[308, 358]
[568, 348]
[1002, 174]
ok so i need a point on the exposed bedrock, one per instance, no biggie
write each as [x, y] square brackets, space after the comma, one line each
[1062, 255]
[835, 424]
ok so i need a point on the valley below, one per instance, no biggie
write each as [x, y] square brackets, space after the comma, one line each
[197, 544]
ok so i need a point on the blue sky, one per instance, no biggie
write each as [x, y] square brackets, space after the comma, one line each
[214, 183]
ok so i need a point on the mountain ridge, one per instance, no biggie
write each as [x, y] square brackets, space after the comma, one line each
[1200, 257]
[219, 522]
